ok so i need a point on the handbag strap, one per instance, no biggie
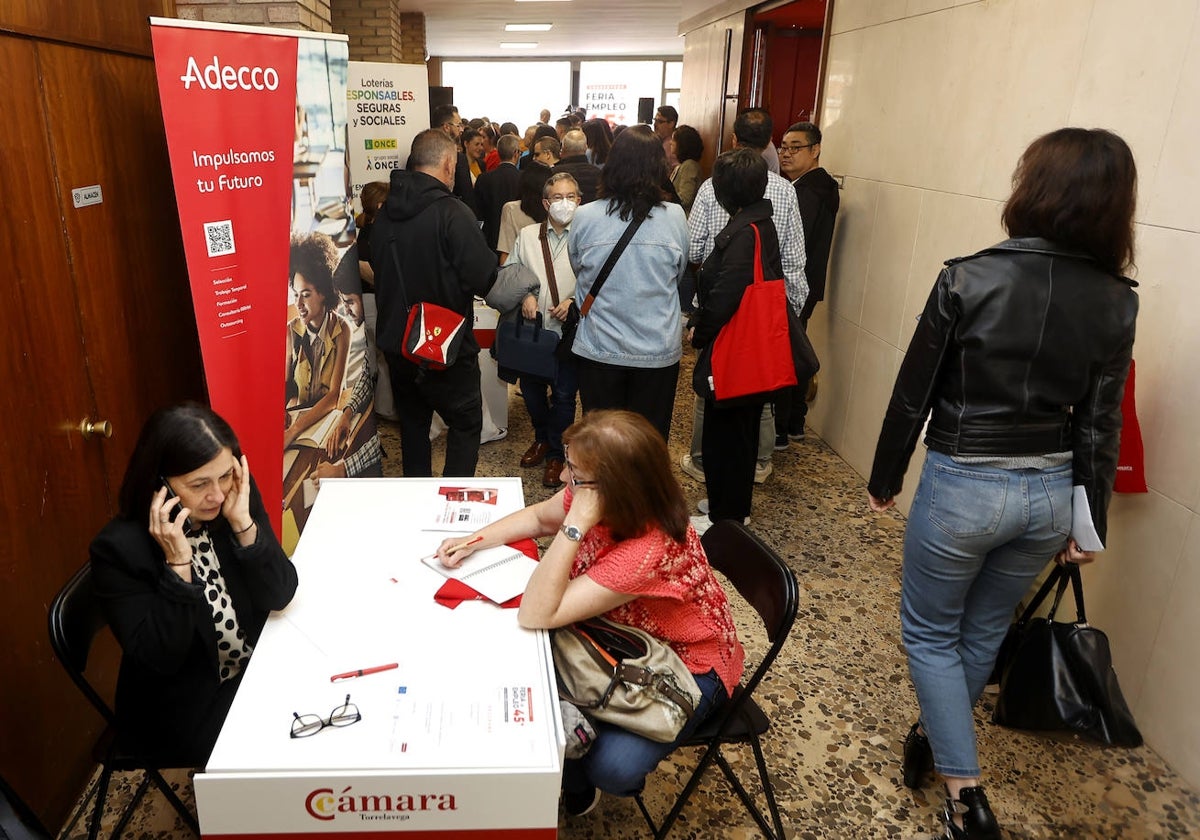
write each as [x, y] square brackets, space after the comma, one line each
[1055, 578]
[758, 263]
[1077, 586]
[634, 224]
[549, 260]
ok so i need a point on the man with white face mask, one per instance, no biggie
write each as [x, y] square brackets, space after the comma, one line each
[542, 248]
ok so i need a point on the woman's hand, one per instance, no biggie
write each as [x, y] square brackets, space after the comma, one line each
[586, 509]
[169, 534]
[336, 444]
[529, 307]
[880, 505]
[236, 507]
[1074, 554]
[451, 559]
[562, 310]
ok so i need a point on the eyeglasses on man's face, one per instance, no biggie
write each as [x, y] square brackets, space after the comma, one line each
[304, 726]
[553, 197]
[793, 148]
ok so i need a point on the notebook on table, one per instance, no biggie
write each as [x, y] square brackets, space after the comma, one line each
[499, 574]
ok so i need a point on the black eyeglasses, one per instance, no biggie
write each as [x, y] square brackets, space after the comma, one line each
[793, 149]
[344, 715]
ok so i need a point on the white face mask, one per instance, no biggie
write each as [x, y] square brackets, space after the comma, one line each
[562, 211]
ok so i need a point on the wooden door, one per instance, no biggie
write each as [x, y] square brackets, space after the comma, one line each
[53, 482]
[126, 253]
[712, 70]
[102, 327]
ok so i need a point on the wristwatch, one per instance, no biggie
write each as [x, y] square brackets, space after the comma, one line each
[572, 533]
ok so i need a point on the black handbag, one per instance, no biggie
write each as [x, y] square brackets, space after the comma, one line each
[1058, 676]
[527, 347]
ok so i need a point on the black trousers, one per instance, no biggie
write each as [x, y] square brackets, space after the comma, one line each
[729, 444]
[648, 391]
[454, 394]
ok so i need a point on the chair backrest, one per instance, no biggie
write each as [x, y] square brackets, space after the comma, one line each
[75, 619]
[761, 577]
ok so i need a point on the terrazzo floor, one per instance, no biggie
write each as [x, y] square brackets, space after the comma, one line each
[839, 694]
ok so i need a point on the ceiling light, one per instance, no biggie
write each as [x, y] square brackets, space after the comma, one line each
[517, 45]
[543, 1]
[527, 27]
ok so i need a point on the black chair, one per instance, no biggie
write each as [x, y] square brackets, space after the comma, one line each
[769, 586]
[17, 820]
[75, 620]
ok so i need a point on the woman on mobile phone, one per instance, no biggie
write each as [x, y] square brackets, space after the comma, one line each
[186, 574]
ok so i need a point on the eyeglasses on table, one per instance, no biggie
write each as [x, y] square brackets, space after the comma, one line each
[304, 726]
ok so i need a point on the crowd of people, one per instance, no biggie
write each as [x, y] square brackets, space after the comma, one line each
[616, 241]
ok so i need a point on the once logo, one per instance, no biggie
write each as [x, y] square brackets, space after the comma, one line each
[216, 76]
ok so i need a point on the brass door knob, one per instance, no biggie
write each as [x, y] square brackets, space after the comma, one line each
[87, 428]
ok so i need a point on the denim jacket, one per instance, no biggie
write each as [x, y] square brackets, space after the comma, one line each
[635, 320]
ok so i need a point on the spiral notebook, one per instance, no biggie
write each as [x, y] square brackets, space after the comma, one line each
[498, 574]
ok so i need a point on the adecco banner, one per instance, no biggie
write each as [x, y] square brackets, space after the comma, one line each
[388, 105]
[256, 129]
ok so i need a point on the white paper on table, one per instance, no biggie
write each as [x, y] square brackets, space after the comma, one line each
[1083, 530]
[498, 574]
[461, 509]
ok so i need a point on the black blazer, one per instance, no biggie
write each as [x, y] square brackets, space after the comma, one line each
[170, 700]
[493, 190]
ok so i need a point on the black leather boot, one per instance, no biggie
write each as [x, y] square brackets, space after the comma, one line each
[918, 758]
[979, 823]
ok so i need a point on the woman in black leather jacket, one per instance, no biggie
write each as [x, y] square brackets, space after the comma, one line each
[1021, 355]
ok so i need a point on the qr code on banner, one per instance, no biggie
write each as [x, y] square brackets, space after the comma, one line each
[219, 238]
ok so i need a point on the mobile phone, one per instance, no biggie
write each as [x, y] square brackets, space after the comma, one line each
[188, 526]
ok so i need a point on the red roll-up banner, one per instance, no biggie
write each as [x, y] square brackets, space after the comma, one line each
[256, 129]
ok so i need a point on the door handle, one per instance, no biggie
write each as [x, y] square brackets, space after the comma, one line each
[87, 428]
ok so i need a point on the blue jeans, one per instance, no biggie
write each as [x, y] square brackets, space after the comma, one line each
[551, 405]
[977, 538]
[619, 761]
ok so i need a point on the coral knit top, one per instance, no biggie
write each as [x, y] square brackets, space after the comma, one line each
[679, 599]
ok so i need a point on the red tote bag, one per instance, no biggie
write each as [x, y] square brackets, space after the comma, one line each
[752, 353]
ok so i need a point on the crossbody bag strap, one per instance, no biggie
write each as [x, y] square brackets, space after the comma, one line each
[399, 274]
[634, 224]
[549, 260]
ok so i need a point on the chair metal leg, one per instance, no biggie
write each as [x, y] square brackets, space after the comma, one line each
[713, 751]
[768, 788]
[176, 802]
[98, 808]
[127, 814]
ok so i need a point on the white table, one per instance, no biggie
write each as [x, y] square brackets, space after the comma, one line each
[463, 739]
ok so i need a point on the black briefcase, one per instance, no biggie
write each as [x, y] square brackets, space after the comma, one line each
[525, 346]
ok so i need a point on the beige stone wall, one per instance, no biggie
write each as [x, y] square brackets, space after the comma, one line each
[310, 15]
[373, 27]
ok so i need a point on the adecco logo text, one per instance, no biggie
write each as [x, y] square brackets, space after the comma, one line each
[216, 76]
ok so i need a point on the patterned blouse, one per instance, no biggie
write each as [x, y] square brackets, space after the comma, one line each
[679, 599]
[233, 649]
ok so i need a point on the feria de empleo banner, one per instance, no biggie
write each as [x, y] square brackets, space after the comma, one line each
[257, 132]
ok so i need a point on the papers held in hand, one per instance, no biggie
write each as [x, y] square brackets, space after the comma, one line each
[1083, 530]
[498, 574]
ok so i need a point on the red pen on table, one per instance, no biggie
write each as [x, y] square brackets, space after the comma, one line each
[362, 672]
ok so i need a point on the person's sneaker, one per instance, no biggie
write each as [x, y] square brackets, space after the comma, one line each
[781, 442]
[796, 437]
[702, 506]
[761, 471]
[580, 803]
[691, 468]
[701, 523]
